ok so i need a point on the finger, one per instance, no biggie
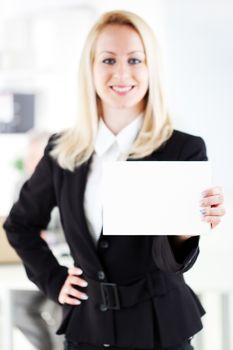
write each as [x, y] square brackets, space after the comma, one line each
[71, 301]
[211, 200]
[64, 299]
[218, 211]
[213, 220]
[212, 191]
[77, 281]
[75, 271]
[75, 293]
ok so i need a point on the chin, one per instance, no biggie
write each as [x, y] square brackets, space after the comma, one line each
[123, 104]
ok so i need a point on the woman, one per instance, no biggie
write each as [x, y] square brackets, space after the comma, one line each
[124, 292]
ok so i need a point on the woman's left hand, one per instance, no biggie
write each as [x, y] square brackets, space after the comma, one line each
[211, 205]
[212, 208]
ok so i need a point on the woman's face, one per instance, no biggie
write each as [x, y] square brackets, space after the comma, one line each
[120, 70]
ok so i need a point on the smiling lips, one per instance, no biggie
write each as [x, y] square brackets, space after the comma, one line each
[122, 89]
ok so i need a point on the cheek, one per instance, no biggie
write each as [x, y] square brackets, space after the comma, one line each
[100, 77]
[144, 80]
[143, 76]
[96, 77]
[99, 72]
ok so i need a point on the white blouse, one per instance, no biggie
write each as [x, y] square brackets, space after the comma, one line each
[108, 147]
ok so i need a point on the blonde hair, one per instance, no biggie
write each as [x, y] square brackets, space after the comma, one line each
[75, 146]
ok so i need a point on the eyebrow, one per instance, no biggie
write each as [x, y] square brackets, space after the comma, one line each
[129, 53]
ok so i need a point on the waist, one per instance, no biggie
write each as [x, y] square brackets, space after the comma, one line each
[115, 296]
[69, 345]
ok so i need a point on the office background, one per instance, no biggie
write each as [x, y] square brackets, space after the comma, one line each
[40, 44]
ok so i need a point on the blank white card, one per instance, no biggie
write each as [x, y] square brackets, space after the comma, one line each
[154, 198]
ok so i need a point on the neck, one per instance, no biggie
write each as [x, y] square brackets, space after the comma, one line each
[118, 118]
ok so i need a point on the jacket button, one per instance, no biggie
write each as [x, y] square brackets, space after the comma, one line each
[104, 244]
[101, 275]
[103, 307]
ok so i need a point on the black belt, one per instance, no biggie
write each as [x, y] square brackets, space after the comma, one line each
[112, 296]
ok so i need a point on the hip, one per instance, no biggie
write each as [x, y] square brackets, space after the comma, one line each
[85, 346]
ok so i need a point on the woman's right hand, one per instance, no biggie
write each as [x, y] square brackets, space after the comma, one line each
[69, 294]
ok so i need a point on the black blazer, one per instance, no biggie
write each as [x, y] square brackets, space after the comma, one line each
[155, 305]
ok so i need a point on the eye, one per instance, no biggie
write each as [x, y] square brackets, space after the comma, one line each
[134, 61]
[109, 61]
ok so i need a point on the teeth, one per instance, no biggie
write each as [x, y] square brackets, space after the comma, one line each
[122, 89]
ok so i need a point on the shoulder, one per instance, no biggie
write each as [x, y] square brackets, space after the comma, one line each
[183, 146]
[180, 138]
[52, 142]
[48, 160]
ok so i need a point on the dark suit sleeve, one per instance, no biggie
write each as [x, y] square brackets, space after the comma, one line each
[167, 254]
[29, 215]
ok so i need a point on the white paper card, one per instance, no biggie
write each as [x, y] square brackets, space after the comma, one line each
[154, 198]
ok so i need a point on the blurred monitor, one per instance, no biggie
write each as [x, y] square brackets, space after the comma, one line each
[17, 112]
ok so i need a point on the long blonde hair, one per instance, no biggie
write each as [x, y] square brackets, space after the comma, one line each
[75, 146]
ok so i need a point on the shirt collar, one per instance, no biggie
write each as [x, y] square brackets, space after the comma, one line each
[125, 138]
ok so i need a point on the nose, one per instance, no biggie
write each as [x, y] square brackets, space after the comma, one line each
[121, 71]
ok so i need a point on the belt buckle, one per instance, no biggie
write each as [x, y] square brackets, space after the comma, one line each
[104, 292]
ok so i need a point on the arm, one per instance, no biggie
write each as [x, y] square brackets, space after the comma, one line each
[212, 210]
[179, 253]
[28, 217]
[170, 256]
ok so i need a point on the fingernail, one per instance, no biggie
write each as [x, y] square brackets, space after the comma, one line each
[79, 270]
[84, 284]
[84, 296]
[203, 211]
[78, 302]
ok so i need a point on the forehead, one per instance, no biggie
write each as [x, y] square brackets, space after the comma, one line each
[118, 38]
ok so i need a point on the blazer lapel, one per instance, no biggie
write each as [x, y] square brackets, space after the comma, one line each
[80, 180]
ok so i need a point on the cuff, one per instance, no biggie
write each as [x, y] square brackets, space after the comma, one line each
[170, 257]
